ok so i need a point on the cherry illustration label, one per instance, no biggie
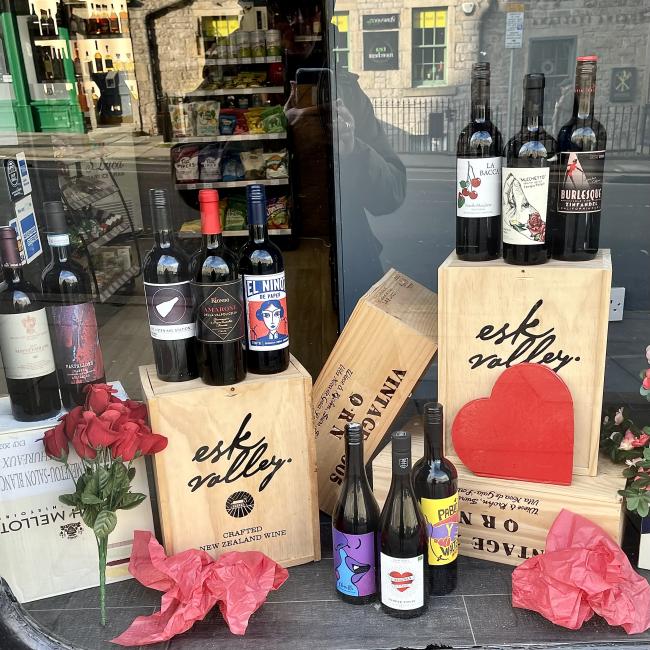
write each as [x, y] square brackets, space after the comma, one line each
[219, 311]
[170, 310]
[75, 339]
[402, 581]
[581, 181]
[524, 200]
[478, 187]
[354, 563]
[443, 517]
[266, 312]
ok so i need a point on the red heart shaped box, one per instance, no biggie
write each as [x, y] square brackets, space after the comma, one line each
[523, 431]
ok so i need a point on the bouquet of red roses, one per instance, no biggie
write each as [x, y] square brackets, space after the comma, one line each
[108, 434]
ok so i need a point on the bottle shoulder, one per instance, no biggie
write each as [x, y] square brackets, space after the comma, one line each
[434, 472]
[260, 258]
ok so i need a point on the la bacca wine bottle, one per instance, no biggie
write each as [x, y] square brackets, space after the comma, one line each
[402, 539]
[219, 302]
[435, 481]
[355, 523]
[478, 177]
[262, 269]
[167, 275]
[73, 324]
[25, 340]
[528, 156]
[574, 222]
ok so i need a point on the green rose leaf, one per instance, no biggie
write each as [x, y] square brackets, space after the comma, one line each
[81, 483]
[103, 477]
[120, 477]
[90, 499]
[131, 473]
[643, 507]
[89, 515]
[69, 499]
[632, 503]
[105, 523]
[646, 453]
[131, 500]
[629, 472]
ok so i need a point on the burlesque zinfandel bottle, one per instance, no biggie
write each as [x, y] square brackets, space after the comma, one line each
[402, 539]
[574, 223]
[262, 269]
[166, 273]
[75, 335]
[526, 177]
[355, 522]
[478, 177]
[435, 481]
[25, 340]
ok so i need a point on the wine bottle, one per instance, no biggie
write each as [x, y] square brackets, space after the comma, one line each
[25, 340]
[57, 65]
[219, 302]
[435, 481]
[73, 324]
[574, 223]
[402, 539]
[45, 26]
[114, 21]
[99, 65]
[91, 23]
[34, 24]
[51, 24]
[166, 274]
[108, 60]
[48, 64]
[478, 177]
[103, 21]
[124, 20]
[526, 176]
[262, 268]
[355, 523]
[76, 62]
[89, 64]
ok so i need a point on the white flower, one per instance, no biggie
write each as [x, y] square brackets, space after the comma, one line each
[618, 418]
[647, 354]
[632, 462]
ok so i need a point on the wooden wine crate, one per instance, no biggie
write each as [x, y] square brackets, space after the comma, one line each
[507, 521]
[383, 350]
[239, 472]
[493, 314]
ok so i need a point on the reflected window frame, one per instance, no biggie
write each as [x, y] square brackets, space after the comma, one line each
[429, 24]
[341, 50]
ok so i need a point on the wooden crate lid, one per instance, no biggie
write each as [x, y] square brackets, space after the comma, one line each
[154, 387]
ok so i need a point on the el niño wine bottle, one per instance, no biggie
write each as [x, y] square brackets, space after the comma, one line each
[355, 522]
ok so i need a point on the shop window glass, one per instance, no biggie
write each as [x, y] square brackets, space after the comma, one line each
[429, 46]
[341, 39]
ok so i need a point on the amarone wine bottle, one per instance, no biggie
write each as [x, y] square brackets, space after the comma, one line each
[355, 522]
[402, 539]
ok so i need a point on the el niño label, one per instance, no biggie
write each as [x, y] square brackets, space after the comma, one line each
[581, 181]
[266, 312]
[443, 517]
[354, 563]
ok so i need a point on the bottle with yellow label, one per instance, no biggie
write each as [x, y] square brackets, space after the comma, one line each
[435, 481]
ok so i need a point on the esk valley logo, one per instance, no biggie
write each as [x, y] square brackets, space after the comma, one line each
[523, 343]
[242, 457]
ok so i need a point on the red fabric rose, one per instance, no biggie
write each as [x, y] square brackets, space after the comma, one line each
[138, 410]
[56, 442]
[98, 397]
[71, 420]
[81, 443]
[98, 433]
[646, 382]
[136, 439]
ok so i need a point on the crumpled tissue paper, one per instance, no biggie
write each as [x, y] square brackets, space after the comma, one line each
[582, 572]
[193, 583]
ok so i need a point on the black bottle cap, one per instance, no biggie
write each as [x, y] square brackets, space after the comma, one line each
[401, 442]
[9, 247]
[353, 433]
[256, 195]
[159, 206]
[433, 414]
[534, 81]
[55, 217]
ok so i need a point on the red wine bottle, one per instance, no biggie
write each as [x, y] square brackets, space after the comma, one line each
[25, 340]
[167, 289]
[355, 523]
[402, 539]
[435, 481]
[219, 302]
[526, 181]
[478, 177]
[262, 269]
[574, 223]
[73, 324]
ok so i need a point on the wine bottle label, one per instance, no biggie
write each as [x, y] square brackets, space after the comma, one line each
[443, 517]
[524, 199]
[581, 181]
[478, 187]
[402, 581]
[75, 339]
[219, 311]
[170, 311]
[266, 312]
[354, 563]
[25, 345]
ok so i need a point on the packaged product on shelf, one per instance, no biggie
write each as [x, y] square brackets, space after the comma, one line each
[276, 74]
[254, 164]
[276, 164]
[277, 210]
[186, 163]
[180, 115]
[192, 227]
[236, 213]
[258, 43]
[206, 117]
[254, 120]
[274, 120]
[232, 168]
[273, 42]
[227, 123]
[243, 102]
[249, 79]
[210, 163]
[243, 44]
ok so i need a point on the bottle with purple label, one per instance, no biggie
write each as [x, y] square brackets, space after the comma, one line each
[355, 523]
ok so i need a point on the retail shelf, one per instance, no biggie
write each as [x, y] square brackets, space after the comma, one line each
[271, 90]
[225, 184]
[235, 233]
[240, 137]
[118, 283]
[98, 37]
[246, 61]
[108, 236]
[56, 37]
[307, 39]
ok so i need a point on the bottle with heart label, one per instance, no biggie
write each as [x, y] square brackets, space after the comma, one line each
[402, 539]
